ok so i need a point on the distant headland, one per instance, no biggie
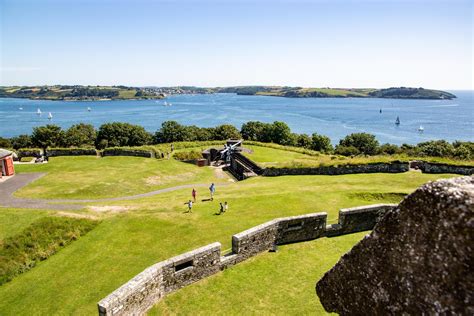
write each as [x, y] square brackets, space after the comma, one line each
[95, 93]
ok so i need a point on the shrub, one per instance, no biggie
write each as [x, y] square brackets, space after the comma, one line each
[252, 130]
[346, 150]
[118, 134]
[321, 143]
[80, 135]
[188, 155]
[21, 141]
[435, 148]
[226, 131]
[365, 143]
[389, 149]
[47, 136]
[5, 143]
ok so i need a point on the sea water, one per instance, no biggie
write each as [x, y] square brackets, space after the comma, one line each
[334, 117]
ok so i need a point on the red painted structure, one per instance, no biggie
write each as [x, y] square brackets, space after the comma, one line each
[6, 163]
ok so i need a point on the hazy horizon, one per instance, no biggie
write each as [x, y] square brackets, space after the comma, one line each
[339, 44]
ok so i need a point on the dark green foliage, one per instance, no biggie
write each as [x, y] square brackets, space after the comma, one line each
[170, 132]
[321, 143]
[38, 242]
[365, 143]
[346, 150]
[411, 93]
[5, 143]
[226, 131]
[389, 149]
[188, 155]
[252, 130]
[435, 148]
[21, 141]
[48, 136]
[80, 135]
[118, 134]
[303, 140]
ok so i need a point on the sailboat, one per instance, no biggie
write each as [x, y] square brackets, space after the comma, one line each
[421, 129]
[38, 111]
[397, 121]
[165, 104]
[20, 108]
[88, 109]
[380, 111]
[50, 116]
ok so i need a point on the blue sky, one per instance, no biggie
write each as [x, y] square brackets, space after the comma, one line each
[223, 43]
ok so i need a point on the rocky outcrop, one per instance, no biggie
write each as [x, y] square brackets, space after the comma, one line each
[417, 260]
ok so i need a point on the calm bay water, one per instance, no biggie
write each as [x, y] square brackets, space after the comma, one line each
[334, 117]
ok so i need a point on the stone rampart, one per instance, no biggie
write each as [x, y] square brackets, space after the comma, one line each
[393, 167]
[56, 152]
[356, 219]
[127, 152]
[431, 167]
[138, 295]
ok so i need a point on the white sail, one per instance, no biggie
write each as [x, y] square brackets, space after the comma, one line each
[421, 128]
[38, 111]
[88, 108]
[50, 116]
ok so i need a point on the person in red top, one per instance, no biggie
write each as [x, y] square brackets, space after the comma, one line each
[193, 193]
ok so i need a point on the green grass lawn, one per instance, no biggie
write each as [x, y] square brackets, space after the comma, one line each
[13, 221]
[282, 157]
[90, 177]
[281, 283]
[155, 228]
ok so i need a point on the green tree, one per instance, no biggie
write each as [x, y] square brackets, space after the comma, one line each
[5, 143]
[280, 133]
[303, 140]
[172, 131]
[81, 135]
[226, 131]
[252, 130]
[321, 143]
[118, 134]
[389, 149]
[346, 150]
[365, 143]
[21, 141]
[47, 136]
[435, 148]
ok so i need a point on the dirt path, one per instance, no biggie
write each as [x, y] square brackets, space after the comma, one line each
[8, 187]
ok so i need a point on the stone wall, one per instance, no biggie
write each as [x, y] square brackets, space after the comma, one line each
[356, 219]
[55, 152]
[393, 167]
[138, 295]
[128, 152]
[242, 167]
[431, 167]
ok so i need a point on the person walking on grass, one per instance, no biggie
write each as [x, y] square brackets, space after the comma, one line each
[212, 189]
[226, 206]
[221, 208]
[193, 193]
[190, 206]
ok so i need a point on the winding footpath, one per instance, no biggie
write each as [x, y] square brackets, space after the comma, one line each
[8, 188]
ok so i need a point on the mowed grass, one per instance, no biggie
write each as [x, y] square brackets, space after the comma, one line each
[282, 158]
[13, 221]
[93, 178]
[267, 284]
[156, 228]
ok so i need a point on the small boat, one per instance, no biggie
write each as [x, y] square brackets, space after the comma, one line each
[165, 104]
[421, 129]
[20, 108]
[397, 121]
[50, 116]
[89, 109]
[380, 111]
[38, 112]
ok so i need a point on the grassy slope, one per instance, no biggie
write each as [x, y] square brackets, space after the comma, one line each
[266, 284]
[273, 157]
[90, 177]
[13, 221]
[122, 245]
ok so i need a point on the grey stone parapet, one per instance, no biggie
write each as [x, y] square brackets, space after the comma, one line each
[138, 295]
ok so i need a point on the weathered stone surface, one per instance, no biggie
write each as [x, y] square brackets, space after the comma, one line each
[417, 260]
[431, 167]
[301, 228]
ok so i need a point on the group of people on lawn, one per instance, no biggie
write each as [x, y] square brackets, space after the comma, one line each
[212, 189]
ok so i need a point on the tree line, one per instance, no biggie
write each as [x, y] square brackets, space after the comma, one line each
[118, 134]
